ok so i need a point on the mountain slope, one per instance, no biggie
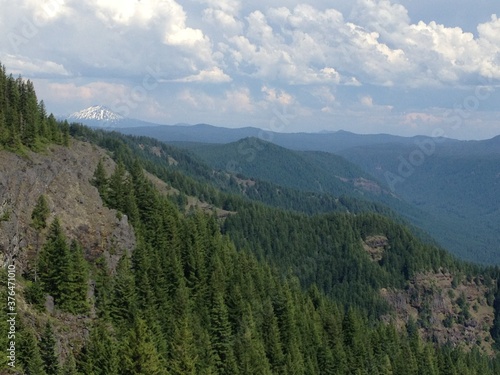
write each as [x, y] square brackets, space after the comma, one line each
[452, 194]
[315, 172]
[310, 171]
[62, 176]
[458, 184]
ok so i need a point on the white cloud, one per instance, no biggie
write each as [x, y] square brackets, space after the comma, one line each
[34, 67]
[367, 101]
[87, 93]
[213, 75]
[273, 95]
[223, 20]
[331, 63]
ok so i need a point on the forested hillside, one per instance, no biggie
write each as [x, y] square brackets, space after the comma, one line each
[458, 184]
[114, 276]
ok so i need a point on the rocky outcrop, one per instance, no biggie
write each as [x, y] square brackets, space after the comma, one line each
[63, 175]
[447, 308]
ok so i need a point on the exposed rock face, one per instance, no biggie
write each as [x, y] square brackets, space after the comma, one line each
[63, 175]
[446, 311]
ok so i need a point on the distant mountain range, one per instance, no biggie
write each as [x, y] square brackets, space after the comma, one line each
[103, 117]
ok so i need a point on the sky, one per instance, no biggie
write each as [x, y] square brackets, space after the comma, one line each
[366, 66]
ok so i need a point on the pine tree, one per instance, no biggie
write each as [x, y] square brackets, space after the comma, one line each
[48, 351]
[103, 287]
[250, 348]
[42, 114]
[76, 300]
[221, 335]
[100, 181]
[29, 353]
[65, 133]
[271, 337]
[117, 188]
[122, 308]
[140, 356]
[69, 367]
[55, 264]
[183, 352]
[40, 213]
[99, 356]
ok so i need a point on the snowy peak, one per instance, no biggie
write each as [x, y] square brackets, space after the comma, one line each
[96, 113]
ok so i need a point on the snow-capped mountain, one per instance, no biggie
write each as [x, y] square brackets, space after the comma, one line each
[99, 116]
[96, 113]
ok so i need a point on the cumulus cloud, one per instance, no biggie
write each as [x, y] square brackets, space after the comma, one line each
[34, 67]
[87, 93]
[109, 36]
[224, 15]
[273, 95]
[232, 56]
[214, 75]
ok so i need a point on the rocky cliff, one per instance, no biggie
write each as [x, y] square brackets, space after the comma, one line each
[64, 176]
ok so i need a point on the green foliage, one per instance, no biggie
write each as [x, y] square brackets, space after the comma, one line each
[123, 306]
[23, 120]
[78, 279]
[63, 271]
[100, 180]
[48, 351]
[139, 355]
[99, 356]
[457, 186]
[55, 263]
[35, 294]
[40, 213]
[29, 353]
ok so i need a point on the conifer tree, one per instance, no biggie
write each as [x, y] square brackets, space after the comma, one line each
[48, 351]
[250, 349]
[100, 180]
[77, 280]
[99, 355]
[221, 335]
[271, 337]
[123, 308]
[140, 356]
[42, 114]
[55, 264]
[117, 187]
[29, 353]
[69, 367]
[183, 353]
[40, 213]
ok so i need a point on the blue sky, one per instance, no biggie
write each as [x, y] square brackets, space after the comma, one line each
[367, 66]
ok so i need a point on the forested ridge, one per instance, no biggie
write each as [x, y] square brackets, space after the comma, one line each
[266, 290]
[24, 122]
